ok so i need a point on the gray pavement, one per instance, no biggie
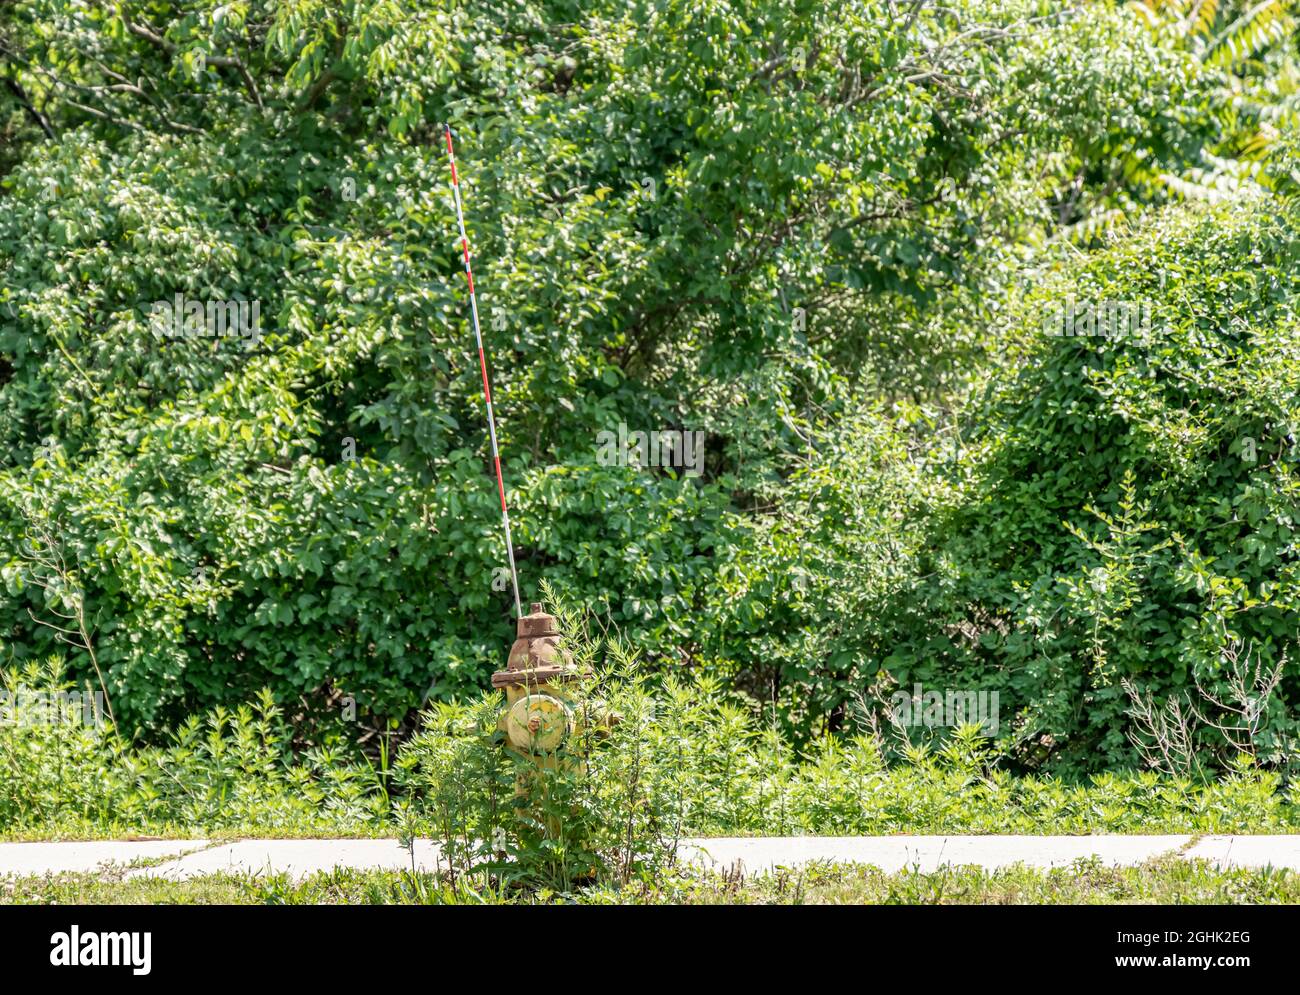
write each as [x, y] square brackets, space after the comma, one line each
[53, 858]
[298, 858]
[1249, 851]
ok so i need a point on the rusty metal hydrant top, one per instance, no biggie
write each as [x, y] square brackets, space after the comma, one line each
[536, 656]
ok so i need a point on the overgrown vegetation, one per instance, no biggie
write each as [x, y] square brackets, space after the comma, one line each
[825, 235]
[684, 760]
[227, 770]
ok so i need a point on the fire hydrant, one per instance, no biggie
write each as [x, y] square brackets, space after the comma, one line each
[538, 719]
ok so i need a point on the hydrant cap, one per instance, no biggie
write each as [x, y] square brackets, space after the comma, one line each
[539, 723]
[537, 623]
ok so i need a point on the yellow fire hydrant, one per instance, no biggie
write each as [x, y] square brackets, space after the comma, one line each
[538, 719]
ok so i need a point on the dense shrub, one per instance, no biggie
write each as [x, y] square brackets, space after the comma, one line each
[812, 231]
[1133, 509]
[699, 217]
[230, 769]
[1102, 509]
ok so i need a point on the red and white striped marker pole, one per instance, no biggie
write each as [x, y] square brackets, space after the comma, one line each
[482, 364]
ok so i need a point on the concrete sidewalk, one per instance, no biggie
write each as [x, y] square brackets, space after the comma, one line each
[53, 858]
[300, 858]
[1248, 851]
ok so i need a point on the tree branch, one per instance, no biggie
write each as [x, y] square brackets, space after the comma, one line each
[37, 116]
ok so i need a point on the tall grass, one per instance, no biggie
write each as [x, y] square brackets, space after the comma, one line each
[228, 770]
[683, 758]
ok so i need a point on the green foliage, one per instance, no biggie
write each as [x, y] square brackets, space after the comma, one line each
[684, 760]
[824, 236]
[1132, 501]
[691, 760]
[228, 769]
[1097, 507]
[716, 217]
[54, 772]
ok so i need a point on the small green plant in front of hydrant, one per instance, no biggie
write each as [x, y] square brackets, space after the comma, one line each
[601, 808]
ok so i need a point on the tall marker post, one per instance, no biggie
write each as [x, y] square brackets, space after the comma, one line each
[482, 363]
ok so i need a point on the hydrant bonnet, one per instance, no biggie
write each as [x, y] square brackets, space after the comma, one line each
[536, 657]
